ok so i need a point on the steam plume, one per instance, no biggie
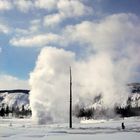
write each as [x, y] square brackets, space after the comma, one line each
[106, 70]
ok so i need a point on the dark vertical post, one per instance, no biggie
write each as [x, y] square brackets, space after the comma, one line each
[70, 117]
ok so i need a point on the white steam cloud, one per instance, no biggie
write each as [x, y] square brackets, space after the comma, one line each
[49, 81]
[108, 67]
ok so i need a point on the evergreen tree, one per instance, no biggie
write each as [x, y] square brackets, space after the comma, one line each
[7, 111]
[23, 111]
[17, 112]
[2, 112]
[13, 111]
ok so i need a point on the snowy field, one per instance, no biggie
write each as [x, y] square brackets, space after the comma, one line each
[24, 129]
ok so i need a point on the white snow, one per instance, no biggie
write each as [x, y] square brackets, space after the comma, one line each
[14, 99]
[135, 100]
[21, 129]
[92, 121]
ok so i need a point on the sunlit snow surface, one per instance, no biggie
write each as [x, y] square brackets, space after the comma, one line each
[21, 129]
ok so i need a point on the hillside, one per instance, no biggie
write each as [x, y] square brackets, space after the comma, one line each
[14, 98]
[135, 87]
[19, 97]
[15, 91]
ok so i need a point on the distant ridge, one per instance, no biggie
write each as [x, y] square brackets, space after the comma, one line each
[16, 91]
[134, 84]
[135, 87]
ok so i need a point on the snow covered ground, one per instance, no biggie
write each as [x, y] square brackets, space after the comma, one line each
[21, 129]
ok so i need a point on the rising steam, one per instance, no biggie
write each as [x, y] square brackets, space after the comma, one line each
[105, 71]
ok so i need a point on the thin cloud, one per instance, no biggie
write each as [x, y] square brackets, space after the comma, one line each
[11, 82]
[4, 28]
[67, 9]
[46, 4]
[5, 5]
[23, 5]
[35, 41]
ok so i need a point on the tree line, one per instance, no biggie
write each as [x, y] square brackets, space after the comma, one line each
[128, 111]
[6, 111]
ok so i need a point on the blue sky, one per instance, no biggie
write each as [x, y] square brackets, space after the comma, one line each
[26, 26]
